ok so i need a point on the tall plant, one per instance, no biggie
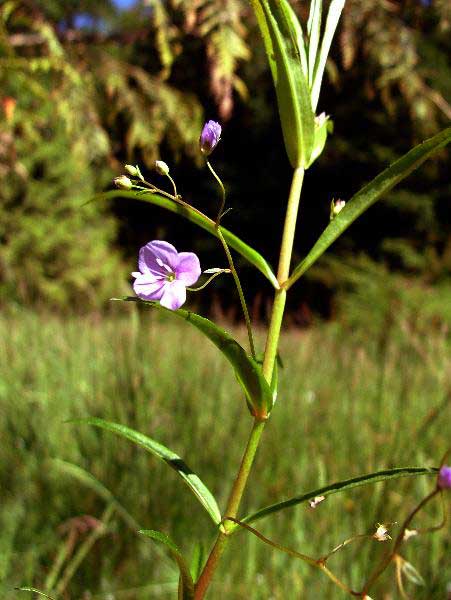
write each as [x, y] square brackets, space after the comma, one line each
[297, 57]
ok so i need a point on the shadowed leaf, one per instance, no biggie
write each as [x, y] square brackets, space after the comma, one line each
[186, 587]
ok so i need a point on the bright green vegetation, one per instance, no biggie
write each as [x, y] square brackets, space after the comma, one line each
[355, 400]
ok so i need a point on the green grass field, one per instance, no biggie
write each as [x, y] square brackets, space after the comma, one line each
[352, 400]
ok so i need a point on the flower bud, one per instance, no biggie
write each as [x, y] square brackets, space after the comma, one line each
[162, 167]
[131, 170]
[209, 138]
[336, 206]
[444, 478]
[123, 182]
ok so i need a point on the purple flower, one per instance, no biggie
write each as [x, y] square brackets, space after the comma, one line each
[210, 136]
[165, 273]
[444, 477]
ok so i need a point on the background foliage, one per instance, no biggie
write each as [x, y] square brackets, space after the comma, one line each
[86, 87]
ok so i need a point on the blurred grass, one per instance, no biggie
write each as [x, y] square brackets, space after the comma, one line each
[352, 400]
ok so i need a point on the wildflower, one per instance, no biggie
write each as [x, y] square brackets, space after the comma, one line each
[210, 136]
[444, 477]
[316, 500]
[123, 182]
[161, 167]
[381, 534]
[165, 273]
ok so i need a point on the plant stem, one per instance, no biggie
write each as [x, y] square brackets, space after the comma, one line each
[268, 367]
[231, 263]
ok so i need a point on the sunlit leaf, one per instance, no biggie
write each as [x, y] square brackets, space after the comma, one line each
[333, 16]
[247, 370]
[203, 221]
[186, 587]
[199, 489]
[368, 195]
[313, 31]
[280, 29]
[340, 486]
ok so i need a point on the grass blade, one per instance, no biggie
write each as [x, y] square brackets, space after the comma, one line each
[199, 489]
[94, 484]
[186, 589]
[34, 591]
[333, 16]
[247, 370]
[368, 195]
[198, 218]
[341, 486]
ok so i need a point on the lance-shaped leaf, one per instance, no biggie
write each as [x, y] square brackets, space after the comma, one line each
[199, 489]
[341, 486]
[197, 217]
[333, 16]
[280, 29]
[247, 370]
[368, 195]
[186, 586]
[34, 591]
[313, 32]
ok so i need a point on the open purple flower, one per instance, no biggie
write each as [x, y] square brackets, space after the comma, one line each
[210, 136]
[165, 273]
[444, 477]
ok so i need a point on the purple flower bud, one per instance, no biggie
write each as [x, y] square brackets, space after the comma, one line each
[444, 477]
[210, 136]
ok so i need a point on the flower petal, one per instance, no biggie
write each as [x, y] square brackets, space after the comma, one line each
[154, 255]
[149, 287]
[188, 268]
[174, 295]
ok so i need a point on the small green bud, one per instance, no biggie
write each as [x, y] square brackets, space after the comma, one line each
[131, 170]
[336, 206]
[162, 167]
[123, 182]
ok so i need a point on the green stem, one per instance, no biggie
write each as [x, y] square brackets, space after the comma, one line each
[240, 291]
[268, 367]
[231, 263]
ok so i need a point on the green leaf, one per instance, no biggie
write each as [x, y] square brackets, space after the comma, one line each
[321, 131]
[186, 588]
[333, 16]
[368, 195]
[341, 486]
[247, 370]
[313, 31]
[201, 492]
[197, 561]
[35, 591]
[96, 486]
[280, 29]
[203, 221]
